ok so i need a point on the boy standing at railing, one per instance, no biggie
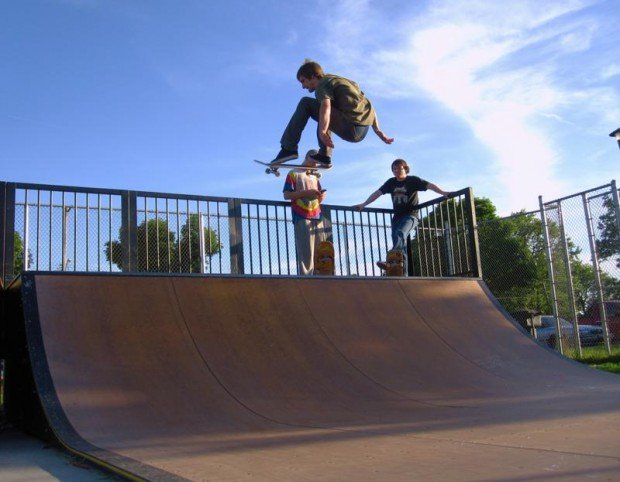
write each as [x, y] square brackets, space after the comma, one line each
[404, 191]
[306, 195]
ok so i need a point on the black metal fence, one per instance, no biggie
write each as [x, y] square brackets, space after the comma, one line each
[64, 228]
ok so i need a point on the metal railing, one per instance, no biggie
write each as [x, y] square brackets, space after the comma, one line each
[66, 228]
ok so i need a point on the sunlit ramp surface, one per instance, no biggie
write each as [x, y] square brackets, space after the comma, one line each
[266, 378]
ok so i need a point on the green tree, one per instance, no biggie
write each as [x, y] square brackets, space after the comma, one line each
[156, 248]
[485, 209]
[159, 251]
[190, 244]
[584, 285]
[509, 265]
[609, 243]
[18, 254]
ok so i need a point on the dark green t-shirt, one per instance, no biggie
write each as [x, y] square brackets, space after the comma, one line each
[347, 97]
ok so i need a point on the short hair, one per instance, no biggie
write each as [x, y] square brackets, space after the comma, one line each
[310, 69]
[401, 162]
[309, 154]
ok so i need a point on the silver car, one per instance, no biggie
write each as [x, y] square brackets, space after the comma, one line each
[545, 331]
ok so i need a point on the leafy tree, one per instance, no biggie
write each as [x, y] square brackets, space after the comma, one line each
[190, 244]
[18, 254]
[584, 285]
[510, 267]
[609, 244]
[156, 248]
[159, 251]
[485, 209]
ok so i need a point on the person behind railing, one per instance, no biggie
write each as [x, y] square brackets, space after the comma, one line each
[404, 190]
[306, 195]
[339, 106]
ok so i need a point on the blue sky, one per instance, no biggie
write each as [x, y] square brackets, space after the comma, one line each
[514, 98]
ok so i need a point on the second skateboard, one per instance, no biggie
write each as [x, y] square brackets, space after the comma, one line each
[394, 264]
[324, 259]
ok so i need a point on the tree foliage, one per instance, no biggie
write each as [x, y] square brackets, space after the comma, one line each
[515, 266]
[160, 251]
[18, 254]
[609, 243]
[511, 261]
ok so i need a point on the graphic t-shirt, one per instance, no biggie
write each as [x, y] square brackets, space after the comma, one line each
[346, 97]
[306, 208]
[404, 194]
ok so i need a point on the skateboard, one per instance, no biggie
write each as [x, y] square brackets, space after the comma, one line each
[273, 168]
[394, 263]
[324, 259]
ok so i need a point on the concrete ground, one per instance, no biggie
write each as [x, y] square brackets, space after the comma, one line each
[27, 459]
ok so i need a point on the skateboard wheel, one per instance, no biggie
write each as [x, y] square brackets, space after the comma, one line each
[277, 173]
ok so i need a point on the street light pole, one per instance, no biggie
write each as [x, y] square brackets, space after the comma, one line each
[616, 134]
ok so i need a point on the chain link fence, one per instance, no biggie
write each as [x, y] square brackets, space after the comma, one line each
[557, 270]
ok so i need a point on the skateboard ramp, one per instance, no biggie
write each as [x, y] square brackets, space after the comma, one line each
[267, 378]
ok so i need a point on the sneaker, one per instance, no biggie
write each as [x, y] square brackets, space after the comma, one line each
[284, 155]
[382, 265]
[322, 159]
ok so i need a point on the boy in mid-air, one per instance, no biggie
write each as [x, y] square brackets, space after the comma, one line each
[339, 106]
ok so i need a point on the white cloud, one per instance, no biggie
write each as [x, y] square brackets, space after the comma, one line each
[498, 66]
[466, 64]
[610, 72]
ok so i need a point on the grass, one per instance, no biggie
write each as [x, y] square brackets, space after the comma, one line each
[597, 357]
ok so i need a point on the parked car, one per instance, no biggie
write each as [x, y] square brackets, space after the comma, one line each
[545, 331]
[592, 316]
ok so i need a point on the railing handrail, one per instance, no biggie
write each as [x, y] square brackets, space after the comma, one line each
[135, 206]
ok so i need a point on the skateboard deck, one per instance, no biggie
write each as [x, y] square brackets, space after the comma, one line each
[324, 259]
[394, 263]
[274, 168]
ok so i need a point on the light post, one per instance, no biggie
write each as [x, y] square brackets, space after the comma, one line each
[616, 134]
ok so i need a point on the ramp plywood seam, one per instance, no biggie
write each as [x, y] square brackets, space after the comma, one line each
[443, 340]
[228, 391]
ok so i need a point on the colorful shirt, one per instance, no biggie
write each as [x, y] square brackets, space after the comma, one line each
[306, 208]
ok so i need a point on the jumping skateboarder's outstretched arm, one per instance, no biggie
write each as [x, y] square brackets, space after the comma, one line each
[373, 197]
[379, 132]
[324, 121]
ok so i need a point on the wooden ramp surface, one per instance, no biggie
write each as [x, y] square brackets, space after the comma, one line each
[293, 379]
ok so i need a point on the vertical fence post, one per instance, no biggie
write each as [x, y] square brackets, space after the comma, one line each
[554, 296]
[569, 281]
[326, 213]
[235, 229]
[614, 197]
[476, 265]
[597, 270]
[7, 230]
[201, 243]
[2, 229]
[129, 230]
